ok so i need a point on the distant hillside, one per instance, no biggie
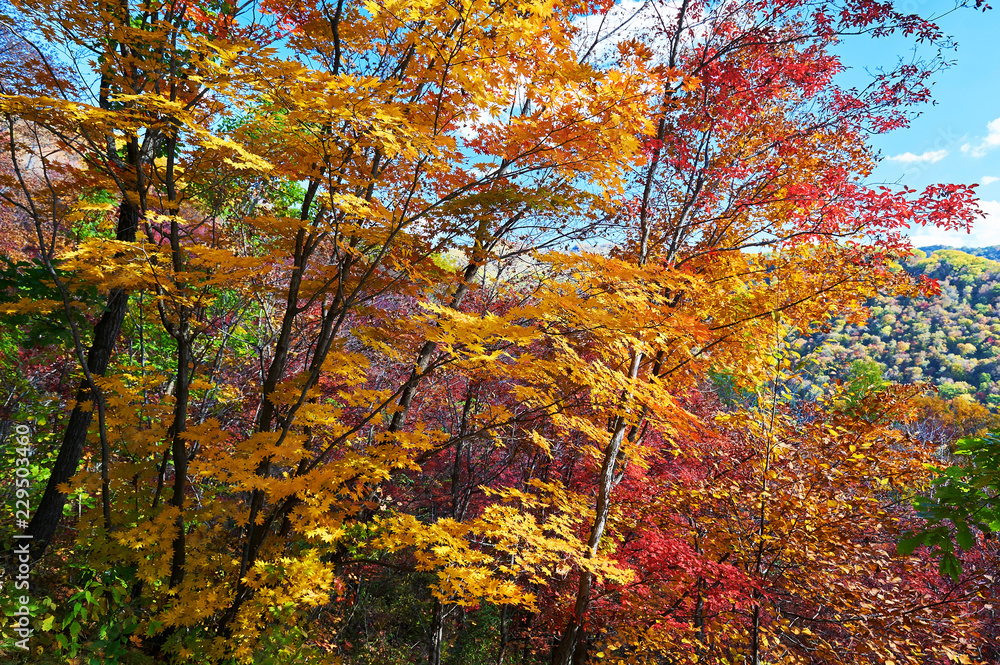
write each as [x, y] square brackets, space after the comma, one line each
[992, 253]
[952, 341]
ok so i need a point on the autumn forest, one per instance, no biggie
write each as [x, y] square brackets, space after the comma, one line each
[485, 332]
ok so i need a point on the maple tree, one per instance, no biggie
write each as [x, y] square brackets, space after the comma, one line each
[779, 538]
[325, 268]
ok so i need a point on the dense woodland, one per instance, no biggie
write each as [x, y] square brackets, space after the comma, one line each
[306, 358]
[949, 339]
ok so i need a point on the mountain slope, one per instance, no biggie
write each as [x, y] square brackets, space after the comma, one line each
[951, 340]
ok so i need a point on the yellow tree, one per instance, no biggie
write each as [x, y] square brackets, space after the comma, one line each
[755, 149]
[380, 110]
[298, 180]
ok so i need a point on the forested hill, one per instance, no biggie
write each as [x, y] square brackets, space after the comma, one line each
[951, 340]
[992, 252]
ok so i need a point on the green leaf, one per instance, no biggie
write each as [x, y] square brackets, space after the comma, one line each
[907, 545]
[950, 566]
[964, 535]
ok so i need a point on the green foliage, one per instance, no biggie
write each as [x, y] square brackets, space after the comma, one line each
[39, 608]
[91, 626]
[864, 379]
[952, 390]
[866, 376]
[30, 281]
[391, 613]
[477, 637]
[992, 253]
[967, 496]
[95, 622]
[728, 390]
[89, 225]
[451, 261]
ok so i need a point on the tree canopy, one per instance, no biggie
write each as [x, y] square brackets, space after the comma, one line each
[340, 323]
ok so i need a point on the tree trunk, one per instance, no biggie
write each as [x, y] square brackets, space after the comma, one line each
[573, 634]
[754, 658]
[46, 518]
[179, 450]
[437, 633]
[502, 648]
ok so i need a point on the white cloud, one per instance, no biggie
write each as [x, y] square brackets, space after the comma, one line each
[985, 232]
[931, 156]
[992, 140]
[988, 180]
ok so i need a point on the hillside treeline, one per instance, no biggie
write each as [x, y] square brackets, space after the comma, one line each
[949, 340]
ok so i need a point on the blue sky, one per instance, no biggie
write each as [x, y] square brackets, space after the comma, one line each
[958, 139]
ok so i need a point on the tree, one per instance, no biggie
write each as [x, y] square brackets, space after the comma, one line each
[92, 140]
[306, 387]
[772, 537]
[735, 165]
[389, 187]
